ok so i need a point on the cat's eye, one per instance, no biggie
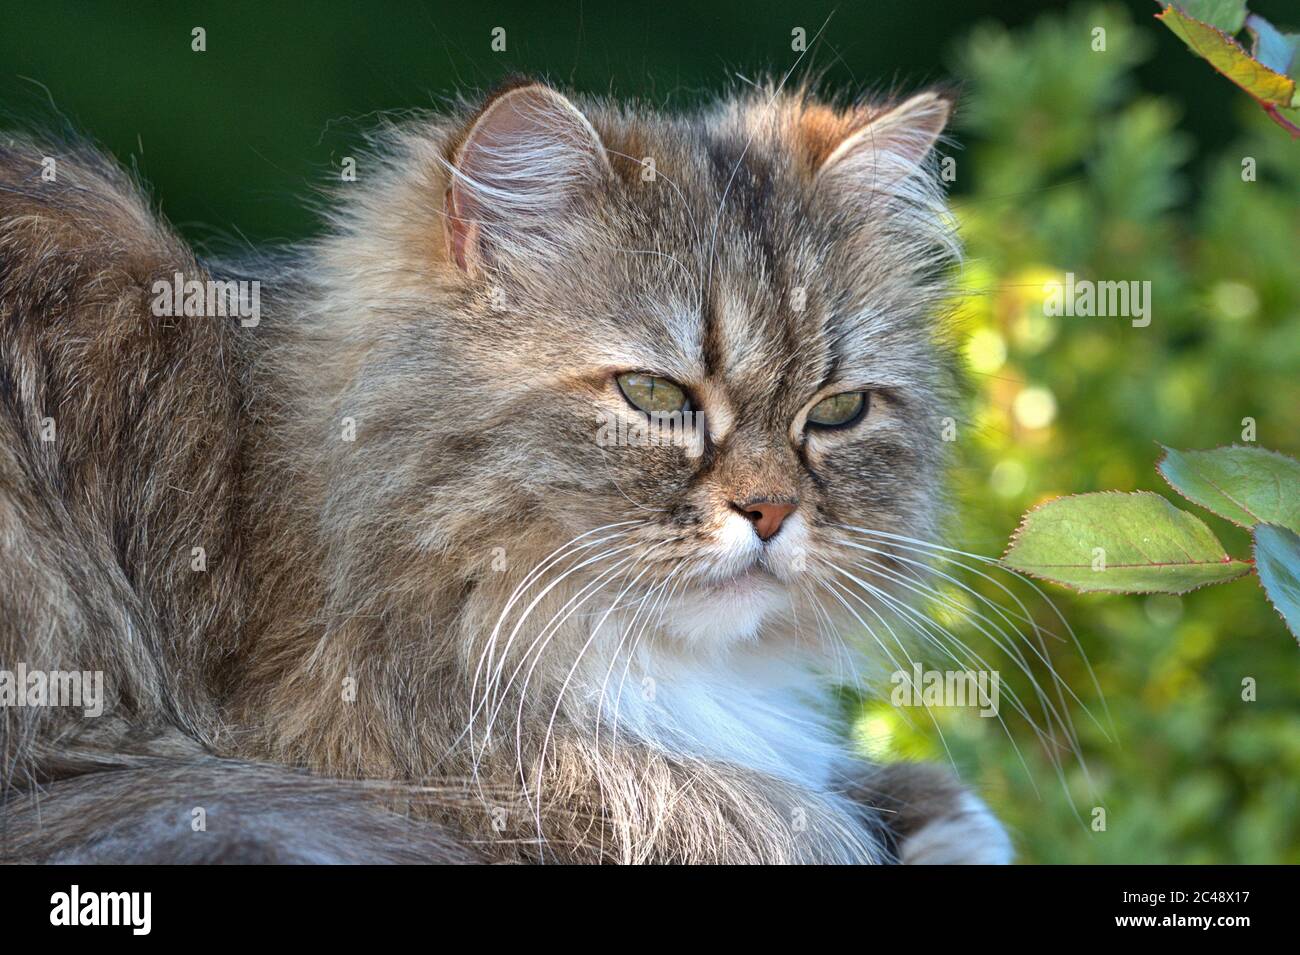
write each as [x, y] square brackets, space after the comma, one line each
[839, 411]
[652, 394]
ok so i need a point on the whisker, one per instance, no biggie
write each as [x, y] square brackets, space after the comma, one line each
[925, 631]
[487, 653]
[931, 629]
[1059, 717]
[494, 689]
[993, 562]
[583, 594]
[598, 717]
[1066, 718]
[827, 586]
[559, 696]
[1040, 651]
[979, 620]
[558, 554]
[662, 607]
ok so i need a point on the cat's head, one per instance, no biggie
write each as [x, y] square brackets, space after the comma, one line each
[688, 347]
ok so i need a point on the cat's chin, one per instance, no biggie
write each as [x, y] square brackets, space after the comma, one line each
[715, 615]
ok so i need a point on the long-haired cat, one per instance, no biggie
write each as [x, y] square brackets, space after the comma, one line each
[511, 527]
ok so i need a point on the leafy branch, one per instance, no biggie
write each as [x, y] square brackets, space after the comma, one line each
[1118, 542]
[1267, 71]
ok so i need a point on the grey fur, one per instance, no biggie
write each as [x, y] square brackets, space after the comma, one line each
[368, 563]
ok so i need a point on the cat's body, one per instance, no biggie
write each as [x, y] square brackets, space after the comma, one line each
[420, 565]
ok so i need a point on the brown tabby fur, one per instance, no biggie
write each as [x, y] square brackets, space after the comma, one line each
[370, 563]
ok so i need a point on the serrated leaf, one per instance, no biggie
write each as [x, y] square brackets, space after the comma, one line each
[1228, 56]
[1272, 47]
[1248, 486]
[1277, 560]
[1120, 543]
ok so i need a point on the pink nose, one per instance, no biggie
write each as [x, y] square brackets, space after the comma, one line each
[766, 515]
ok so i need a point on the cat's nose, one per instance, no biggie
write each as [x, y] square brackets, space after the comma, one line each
[766, 515]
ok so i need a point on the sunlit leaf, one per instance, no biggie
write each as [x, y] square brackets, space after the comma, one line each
[1120, 543]
[1248, 486]
[1225, 54]
[1277, 561]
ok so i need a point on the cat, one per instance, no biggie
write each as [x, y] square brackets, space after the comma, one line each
[513, 526]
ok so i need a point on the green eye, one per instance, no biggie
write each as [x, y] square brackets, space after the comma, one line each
[650, 394]
[839, 411]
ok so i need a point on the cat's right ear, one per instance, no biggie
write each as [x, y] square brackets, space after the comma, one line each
[516, 174]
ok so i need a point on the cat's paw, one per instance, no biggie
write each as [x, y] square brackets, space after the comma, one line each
[968, 835]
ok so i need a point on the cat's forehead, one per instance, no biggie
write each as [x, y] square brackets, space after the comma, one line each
[723, 247]
[753, 339]
[734, 191]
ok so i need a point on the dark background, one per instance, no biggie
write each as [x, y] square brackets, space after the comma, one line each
[233, 139]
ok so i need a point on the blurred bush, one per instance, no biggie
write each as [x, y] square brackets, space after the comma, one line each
[1068, 167]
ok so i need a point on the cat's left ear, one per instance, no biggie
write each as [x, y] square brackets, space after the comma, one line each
[523, 163]
[892, 147]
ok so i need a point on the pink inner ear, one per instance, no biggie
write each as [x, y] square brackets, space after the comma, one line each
[457, 231]
[894, 143]
[519, 166]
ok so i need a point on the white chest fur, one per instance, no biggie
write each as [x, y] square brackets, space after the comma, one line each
[770, 714]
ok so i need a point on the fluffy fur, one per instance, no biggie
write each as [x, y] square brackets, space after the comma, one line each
[423, 567]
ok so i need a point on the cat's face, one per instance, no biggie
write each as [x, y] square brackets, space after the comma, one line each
[705, 344]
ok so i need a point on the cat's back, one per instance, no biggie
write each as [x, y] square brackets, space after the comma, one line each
[119, 436]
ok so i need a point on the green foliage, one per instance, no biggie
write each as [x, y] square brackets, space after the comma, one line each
[1069, 167]
[1035, 114]
[1140, 543]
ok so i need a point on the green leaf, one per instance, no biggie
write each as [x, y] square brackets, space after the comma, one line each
[1277, 560]
[1120, 543]
[1248, 486]
[1225, 15]
[1226, 55]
